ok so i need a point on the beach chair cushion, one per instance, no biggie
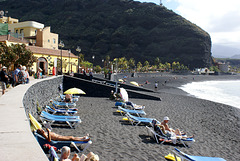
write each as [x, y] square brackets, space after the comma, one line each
[70, 120]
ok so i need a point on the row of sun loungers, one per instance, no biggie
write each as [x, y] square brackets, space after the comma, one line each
[58, 113]
[134, 116]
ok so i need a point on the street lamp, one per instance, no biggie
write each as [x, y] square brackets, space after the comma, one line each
[61, 44]
[78, 50]
[103, 62]
[69, 51]
[93, 58]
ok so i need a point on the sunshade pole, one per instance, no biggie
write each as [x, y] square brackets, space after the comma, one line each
[116, 87]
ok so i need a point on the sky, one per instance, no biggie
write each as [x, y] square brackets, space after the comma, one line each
[221, 19]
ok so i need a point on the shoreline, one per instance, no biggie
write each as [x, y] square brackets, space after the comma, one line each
[215, 125]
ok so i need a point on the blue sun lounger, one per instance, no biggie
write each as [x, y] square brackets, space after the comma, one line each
[59, 144]
[70, 120]
[187, 157]
[138, 120]
[63, 111]
[187, 142]
[136, 112]
[63, 104]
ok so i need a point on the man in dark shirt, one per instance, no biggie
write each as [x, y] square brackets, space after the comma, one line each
[4, 79]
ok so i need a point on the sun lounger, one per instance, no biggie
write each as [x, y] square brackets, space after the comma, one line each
[187, 142]
[63, 111]
[131, 105]
[53, 155]
[63, 104]
[138, 120]
[59, 144]
[135, 106]
[136, 112]
[70, 120]
[34, 124]
[186, 157]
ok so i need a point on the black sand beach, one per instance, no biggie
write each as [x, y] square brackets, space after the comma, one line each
[215, 126]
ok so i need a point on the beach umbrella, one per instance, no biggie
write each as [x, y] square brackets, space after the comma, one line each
[124, 94]
[135, 83]
[120, 80]
[74, 91]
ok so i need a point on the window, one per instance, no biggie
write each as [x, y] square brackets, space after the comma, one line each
[49, 40]
[21, 31]
[16, 31]
[54, 41]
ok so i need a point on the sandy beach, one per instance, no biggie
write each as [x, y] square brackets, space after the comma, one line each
[215, 126]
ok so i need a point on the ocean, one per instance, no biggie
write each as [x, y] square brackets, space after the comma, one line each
[226, 92]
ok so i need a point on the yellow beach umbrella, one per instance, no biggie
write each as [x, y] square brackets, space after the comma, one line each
[135, 83]
[120, 80]
[74, 91]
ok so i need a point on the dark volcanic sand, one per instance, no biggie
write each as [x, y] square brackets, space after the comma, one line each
[216, 126]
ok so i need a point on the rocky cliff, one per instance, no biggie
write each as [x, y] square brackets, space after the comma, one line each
[119, 28]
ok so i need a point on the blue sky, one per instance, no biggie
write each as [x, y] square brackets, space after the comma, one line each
[221, 19]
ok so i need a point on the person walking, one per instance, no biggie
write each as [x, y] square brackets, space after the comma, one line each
[16, 75]
[4, 79]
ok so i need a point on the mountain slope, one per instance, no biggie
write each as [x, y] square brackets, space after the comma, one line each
[119, 28]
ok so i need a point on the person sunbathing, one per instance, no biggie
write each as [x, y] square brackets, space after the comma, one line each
[68, 98]
[56, 137]
[168, 129]
[161, 129]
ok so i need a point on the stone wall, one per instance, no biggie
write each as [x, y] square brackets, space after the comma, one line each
[41, 93]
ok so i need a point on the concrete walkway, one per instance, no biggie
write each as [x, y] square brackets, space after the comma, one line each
[16, 138]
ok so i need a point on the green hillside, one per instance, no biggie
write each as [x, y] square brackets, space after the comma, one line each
[118, 28]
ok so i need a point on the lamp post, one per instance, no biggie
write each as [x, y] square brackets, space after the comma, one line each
[69, 51]
[78, 50]
[103, 62]
[93, 57]
[61, 44]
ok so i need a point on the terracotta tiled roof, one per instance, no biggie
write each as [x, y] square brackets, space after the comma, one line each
[40, 50]
[12, 39]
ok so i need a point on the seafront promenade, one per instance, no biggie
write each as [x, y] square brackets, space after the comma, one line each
[17, 141]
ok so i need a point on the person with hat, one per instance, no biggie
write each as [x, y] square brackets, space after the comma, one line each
[168, 129]
[4, 79]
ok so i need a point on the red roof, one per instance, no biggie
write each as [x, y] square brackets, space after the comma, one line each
[46, 51]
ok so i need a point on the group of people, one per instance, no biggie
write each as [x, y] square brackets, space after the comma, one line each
[19, 76]
[49, 136]
[65, 153]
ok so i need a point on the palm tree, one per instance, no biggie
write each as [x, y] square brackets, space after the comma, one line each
[139, 66]
[146, 65]
[157, 61]
[131, 63]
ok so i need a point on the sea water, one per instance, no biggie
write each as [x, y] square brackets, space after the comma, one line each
[226, 92]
